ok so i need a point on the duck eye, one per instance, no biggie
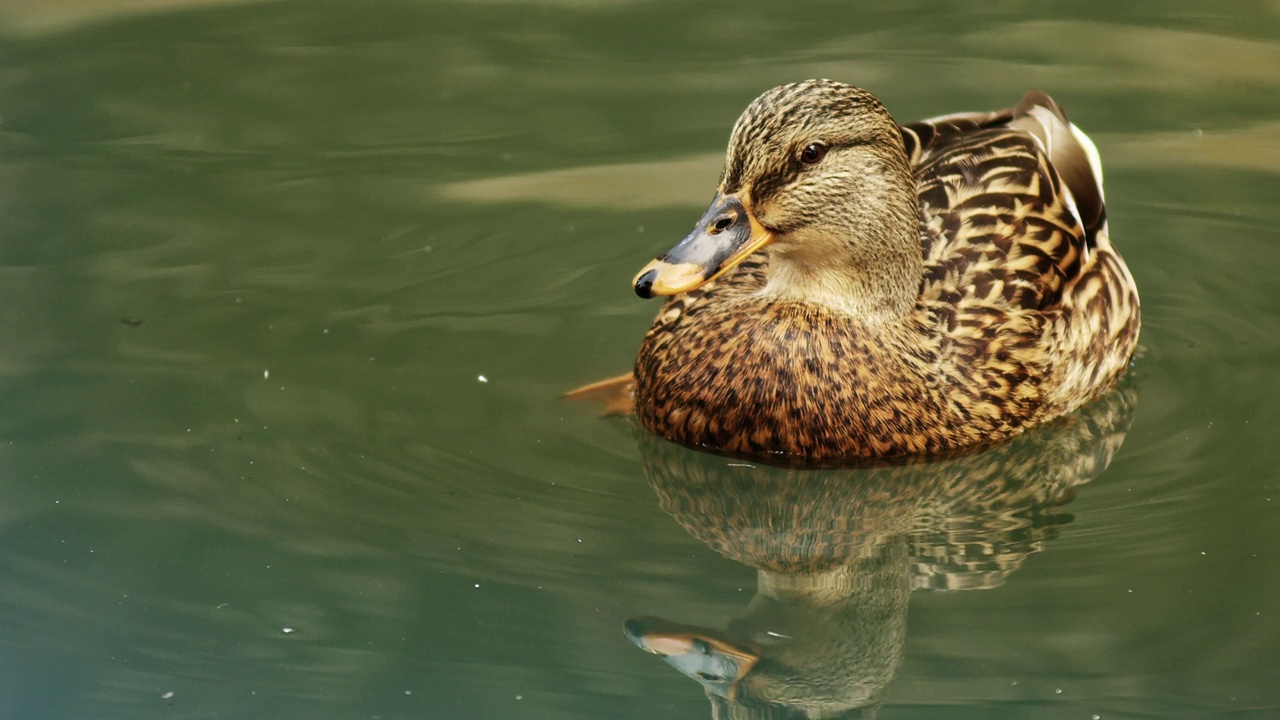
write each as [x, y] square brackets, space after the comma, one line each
[812, 153]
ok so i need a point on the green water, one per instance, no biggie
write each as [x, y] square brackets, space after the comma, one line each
[288, 292]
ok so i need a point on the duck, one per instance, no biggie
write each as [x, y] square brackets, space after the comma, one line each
[860, 290]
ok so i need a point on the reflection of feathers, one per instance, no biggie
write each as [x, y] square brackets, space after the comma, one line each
[972, 514]
[839, 552]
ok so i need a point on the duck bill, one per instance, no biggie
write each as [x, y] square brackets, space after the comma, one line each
[705, 655]
[727, 233]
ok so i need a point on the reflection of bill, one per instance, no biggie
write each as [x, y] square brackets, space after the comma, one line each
[839, 552]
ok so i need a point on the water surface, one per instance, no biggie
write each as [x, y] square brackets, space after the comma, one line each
[290, 290]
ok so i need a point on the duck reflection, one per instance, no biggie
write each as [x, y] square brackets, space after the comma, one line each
[838, 554]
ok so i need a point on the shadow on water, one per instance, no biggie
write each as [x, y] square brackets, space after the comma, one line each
[838, 554]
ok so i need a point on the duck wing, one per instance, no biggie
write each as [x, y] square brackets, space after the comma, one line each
[1014, 237]
[1010, 203]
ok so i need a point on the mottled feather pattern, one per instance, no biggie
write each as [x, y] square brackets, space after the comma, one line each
[1024, 313]
[995, 219]
[838, 553]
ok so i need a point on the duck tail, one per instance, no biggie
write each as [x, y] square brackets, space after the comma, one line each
[1071, 152]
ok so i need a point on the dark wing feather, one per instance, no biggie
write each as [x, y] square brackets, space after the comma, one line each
[998, 229]
[1018, 262]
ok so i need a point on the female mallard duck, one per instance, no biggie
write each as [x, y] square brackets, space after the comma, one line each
[861, 290]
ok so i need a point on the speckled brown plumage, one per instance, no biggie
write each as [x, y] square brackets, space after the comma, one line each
[929, 287]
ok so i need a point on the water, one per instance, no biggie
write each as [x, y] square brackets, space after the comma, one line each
[256, 257]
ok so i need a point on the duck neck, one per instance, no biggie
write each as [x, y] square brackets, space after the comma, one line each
[880, 572]
[866, 263]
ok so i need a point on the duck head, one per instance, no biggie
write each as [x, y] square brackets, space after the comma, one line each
[817, 172]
